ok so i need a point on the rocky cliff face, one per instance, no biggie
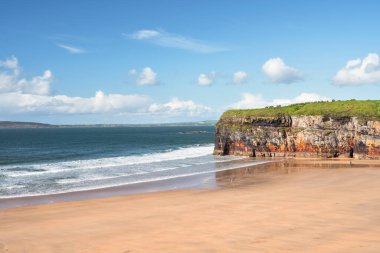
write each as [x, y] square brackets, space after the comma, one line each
[300, 136]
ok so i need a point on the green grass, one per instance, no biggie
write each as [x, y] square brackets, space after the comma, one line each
[363, 109]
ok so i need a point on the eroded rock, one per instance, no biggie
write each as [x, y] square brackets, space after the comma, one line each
[300, 136]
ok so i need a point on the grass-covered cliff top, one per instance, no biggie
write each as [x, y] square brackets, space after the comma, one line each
[353, 108]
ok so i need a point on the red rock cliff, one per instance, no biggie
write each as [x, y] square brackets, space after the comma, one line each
[301, 136]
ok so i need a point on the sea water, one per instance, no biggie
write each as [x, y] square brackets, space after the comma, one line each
[57, 160]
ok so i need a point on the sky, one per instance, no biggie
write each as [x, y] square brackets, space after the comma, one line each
[86, 62]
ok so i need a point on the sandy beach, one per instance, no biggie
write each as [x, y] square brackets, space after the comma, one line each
[292, 206]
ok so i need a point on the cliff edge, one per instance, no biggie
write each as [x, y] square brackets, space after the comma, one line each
[318, 129]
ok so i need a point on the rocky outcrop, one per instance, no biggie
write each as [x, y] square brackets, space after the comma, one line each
[298, 136]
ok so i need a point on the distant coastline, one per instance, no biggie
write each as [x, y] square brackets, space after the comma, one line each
[19, 124]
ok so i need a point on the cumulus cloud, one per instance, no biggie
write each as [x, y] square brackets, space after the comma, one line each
[12, 81]
[164, 39]
[21, 96]
[177, 106]
[301, 98]
[239, 77]
[147, 77]
[10, 63]
[61, 104]
[100, 103]
[278, 72]
[72, 49]
[358, 71]
[206, 79]
[249, 100]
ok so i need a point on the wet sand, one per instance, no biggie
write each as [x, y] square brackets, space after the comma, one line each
[286, 206]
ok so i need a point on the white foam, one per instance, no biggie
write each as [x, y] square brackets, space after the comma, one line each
[97, 187]
[114, 171]
[89, 178]
[179, 154]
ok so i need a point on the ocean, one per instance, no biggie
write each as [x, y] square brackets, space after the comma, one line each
[47, 161]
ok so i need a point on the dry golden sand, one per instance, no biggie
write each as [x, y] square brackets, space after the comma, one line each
[295, 207]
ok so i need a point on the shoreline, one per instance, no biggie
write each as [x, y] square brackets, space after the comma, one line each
[292, 205]
[185, 182]
[208, 180]
[196, 181]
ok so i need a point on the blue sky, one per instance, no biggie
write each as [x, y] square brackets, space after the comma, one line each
[170, 61]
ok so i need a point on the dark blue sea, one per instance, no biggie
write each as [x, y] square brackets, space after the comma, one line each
[57, 160]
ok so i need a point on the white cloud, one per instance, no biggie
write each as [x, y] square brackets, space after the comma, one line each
[302, 98]
[100, 103]
[357, 71]
[239, 77]
[21, 96]
[249, 100]
[145, 34]
[165, 39]
[146, 77]
[72, 49]
[39, 85]
[61, 104]
[278, 72]
[206, 79]
[10, 63]
[11, 80]
[177, 106]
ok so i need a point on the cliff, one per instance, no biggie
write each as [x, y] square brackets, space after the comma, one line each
[321, 129]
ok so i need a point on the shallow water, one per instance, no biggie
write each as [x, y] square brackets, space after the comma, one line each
[48, 161]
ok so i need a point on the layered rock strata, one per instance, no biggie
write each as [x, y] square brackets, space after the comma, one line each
[298, 136]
